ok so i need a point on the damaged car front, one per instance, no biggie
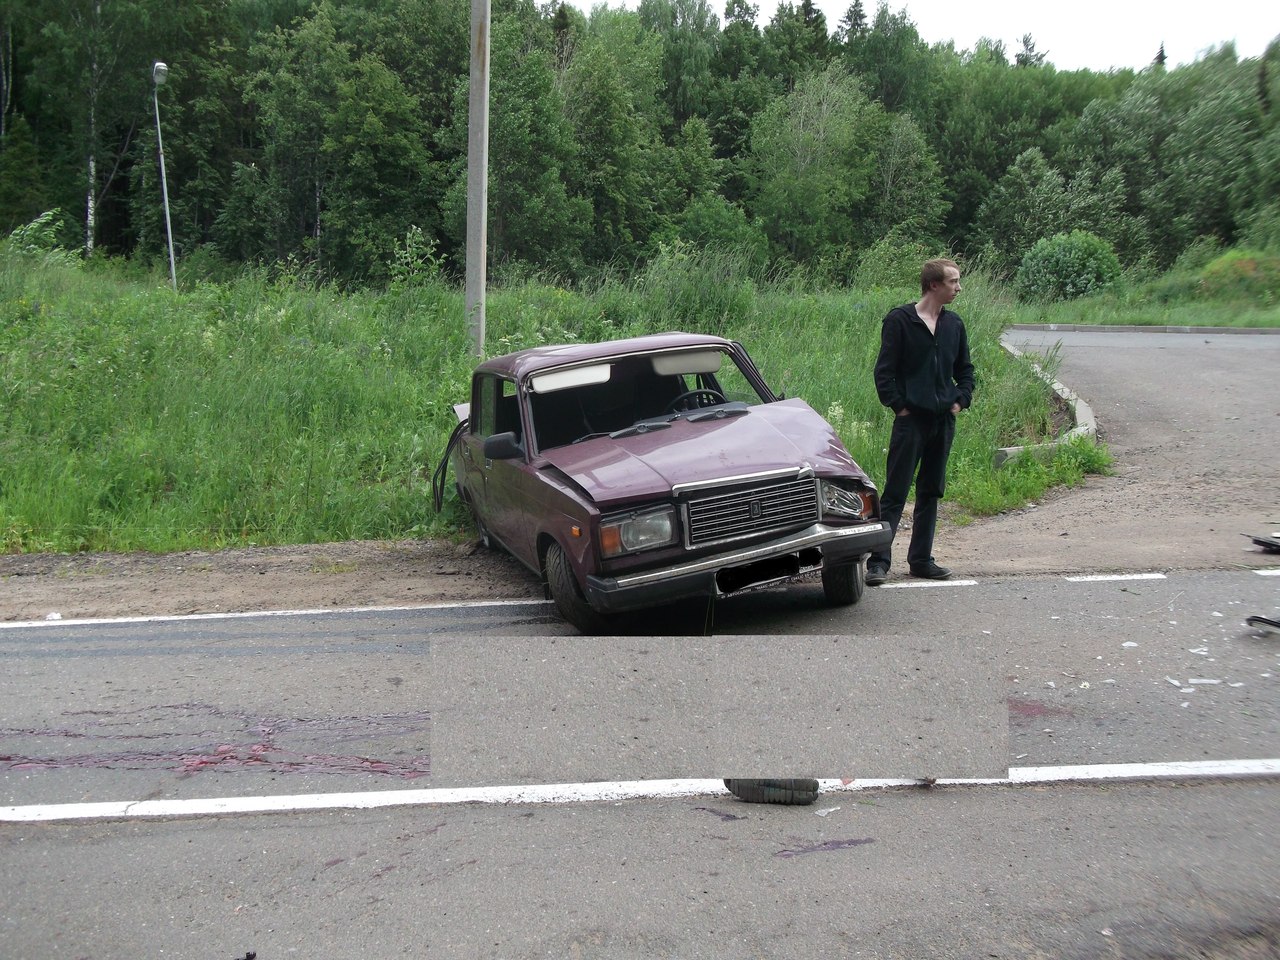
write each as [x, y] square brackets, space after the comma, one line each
[636, 472]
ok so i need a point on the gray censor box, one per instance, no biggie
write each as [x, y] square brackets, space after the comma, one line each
[529, 710]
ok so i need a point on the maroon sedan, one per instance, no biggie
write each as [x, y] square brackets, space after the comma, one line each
[635, 472]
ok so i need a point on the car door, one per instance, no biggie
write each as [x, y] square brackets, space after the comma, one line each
[497, 486]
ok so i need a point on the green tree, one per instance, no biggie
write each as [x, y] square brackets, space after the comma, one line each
[1206, 163]
[1028, 56]
[610, 173]
[906, 195]
[637, 55]
[852, 25]
[295, 90]
[22, 193]
[1183, 143]
[1033, 200]
[987, 113]
[535, 217]
[711, 221]
[379, 156]
[740, 90]
[813, 158]
[206, 130]
[89, 73]
[794, 43]
[892, 60]
[689, 31]
[694, 170]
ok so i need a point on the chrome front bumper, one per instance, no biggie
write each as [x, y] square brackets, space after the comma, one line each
[737, 570]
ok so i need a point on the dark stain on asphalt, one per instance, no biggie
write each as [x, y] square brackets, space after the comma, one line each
[720, 813]
[824, 847]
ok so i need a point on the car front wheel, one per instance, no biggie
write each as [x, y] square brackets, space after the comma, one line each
[568, 596]
[842, 583]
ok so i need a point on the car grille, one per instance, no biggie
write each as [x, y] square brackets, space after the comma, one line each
[755, 510]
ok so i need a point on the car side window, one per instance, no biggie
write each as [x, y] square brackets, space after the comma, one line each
[731, 382]
[495, 408]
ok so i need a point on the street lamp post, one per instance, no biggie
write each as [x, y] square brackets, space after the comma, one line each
[160, 73]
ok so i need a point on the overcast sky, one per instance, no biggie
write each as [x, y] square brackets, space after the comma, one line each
[1076, 34]
[1096, 34]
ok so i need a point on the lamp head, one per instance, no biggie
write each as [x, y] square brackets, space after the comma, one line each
[159, 72]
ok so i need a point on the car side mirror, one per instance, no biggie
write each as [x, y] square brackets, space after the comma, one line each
[502, 446]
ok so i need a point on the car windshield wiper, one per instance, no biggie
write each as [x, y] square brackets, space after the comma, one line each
[643, 426]
[733, 409]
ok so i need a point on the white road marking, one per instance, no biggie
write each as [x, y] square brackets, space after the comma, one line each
[241, 615]
[601, 792]
[928, 583]
[456, 605]
[1103, 577]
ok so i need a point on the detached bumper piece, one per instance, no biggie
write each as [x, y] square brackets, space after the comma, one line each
[798, 791]
[1262, 624]
[1268, 544]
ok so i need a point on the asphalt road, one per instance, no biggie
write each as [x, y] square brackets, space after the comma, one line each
[1192, 421]
[1085, 672]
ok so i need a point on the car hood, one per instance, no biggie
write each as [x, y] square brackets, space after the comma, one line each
[773, 436]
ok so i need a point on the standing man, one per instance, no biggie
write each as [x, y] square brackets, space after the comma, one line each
[924, 375]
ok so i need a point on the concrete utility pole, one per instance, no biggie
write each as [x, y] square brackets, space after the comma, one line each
[478, 172]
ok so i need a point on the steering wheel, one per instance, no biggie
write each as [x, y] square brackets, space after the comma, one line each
[715, 395]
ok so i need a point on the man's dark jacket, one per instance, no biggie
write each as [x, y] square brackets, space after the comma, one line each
[923, 371]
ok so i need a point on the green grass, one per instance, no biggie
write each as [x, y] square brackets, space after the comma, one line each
[1238, 288]
[267, 411]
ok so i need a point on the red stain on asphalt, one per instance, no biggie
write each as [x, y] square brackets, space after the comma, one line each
[188, 745]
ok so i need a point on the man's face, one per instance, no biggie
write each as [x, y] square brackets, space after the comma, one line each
[949, 287]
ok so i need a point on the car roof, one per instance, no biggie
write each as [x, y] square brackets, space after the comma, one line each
[522, 363]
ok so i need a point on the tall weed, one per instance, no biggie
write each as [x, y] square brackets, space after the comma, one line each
[271, 409]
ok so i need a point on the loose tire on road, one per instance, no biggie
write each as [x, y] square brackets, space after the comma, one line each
[793, 791]
[842, 583]
[568, 596]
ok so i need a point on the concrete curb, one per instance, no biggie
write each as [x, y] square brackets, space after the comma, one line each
[1137, 328]
[1086, 425]
[1081, 412]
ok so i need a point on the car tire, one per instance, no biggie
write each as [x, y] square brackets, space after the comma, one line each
[568, 596]
[793, 791]
[842, 583]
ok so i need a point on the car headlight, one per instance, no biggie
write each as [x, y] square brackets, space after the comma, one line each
[841, 502]
[629, 533]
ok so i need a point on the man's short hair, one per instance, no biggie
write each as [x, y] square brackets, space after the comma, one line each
[935, 271]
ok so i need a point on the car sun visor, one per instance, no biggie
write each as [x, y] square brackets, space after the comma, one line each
[570, 377]
[688, 361]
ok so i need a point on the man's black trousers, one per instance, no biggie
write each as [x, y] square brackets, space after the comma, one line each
[918, 449]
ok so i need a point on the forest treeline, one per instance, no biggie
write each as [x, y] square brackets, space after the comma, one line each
[333, 135]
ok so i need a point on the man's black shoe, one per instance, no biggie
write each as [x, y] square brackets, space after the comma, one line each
[877, 573]
[930, 571]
